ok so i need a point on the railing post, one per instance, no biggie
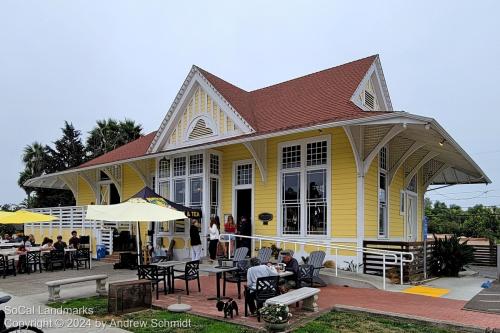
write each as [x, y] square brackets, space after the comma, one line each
[260, 243]
[336, 261]
[383, 271]
[401, 268]
[229, 248]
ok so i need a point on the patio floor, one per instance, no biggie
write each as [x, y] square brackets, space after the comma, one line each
[408, 305]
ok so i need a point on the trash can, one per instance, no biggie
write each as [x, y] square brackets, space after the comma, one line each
[100, 251]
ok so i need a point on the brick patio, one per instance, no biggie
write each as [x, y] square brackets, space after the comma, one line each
[428, 308]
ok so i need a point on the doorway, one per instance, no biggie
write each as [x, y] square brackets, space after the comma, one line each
[244, 204]
[411, 218]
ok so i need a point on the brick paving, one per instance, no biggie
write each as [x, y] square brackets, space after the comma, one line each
[428, 308]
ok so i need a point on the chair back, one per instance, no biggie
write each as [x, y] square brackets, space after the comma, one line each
[240, 254]
[264, 254]
[147, 272]
[280, 256]
[33, 257]
[56, 255]
[192, 268]
[316, 259]
[305, 274]
[243, 266]
[82, 253]
[170, 252]
[266, 287]
[3, 260]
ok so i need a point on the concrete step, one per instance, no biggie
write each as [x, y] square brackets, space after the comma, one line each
[353, 279]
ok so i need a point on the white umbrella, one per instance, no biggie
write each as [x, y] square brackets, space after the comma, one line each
[134, 210]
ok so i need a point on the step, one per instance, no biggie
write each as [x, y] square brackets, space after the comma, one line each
[353, 279]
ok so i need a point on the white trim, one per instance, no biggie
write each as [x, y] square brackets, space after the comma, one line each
[393, 132]
[413, 148]
[386, 235]
[430, 155]
[303, 186]
[251, 187]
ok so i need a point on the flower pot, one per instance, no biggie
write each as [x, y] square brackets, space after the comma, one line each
[276, 327]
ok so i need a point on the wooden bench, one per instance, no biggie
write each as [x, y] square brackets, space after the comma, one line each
[308, 295]
[55, 286]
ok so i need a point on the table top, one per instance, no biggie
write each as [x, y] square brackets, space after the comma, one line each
[168, 263]
[284, 273]
[12, 252]
[217, 269]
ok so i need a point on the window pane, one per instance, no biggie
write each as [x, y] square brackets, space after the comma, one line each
[180, 191]
[179, 166]
[196, 192]
[291, 202]
[164, 189]
[196, 164]
[382, 231]
[244, 174]
[316, 153]
[291, 219]
[316, 202]
[290, 157]
[214, 196]
[164, 168]
[214, 164]
[412, 185]
[180, 226]
[291, 187]
[383, 158]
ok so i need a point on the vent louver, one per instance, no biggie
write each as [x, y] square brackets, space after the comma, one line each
[369, 100]
[200, 129]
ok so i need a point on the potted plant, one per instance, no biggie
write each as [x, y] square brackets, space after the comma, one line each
[276, 317]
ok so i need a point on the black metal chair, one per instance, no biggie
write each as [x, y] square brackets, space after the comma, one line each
[237, 277]
[81, 256]
[265, 288]
[56, 258]
[33, 261]
[191, 272]
[305, 276]
[154, 274]
[7, 265]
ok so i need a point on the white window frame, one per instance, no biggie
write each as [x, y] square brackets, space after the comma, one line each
[303, 186]
[387, 199]
[242, 187]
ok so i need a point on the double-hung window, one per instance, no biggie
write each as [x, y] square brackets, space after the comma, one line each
[303, 182]
[382, 193]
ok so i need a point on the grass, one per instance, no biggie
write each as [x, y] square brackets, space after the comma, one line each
[332, 322]
[350, 322]
[153, 319]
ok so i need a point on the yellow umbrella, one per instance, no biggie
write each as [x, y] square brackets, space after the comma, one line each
[23, 216]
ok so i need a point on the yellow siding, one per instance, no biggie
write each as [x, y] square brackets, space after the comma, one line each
[396, 221]
[131, 182]
[85, 195]
[371, 200]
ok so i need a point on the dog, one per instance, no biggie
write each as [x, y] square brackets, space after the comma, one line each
[228, 307]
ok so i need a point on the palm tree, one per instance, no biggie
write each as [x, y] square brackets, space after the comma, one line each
[35, 158]
[129, 131]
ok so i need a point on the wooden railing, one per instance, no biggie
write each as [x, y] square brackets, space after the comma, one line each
[413, 271]
[485, 255]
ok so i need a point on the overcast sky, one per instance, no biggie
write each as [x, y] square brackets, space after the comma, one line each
[86, 60]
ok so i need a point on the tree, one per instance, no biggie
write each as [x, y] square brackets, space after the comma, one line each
[35, 158]
[68, 151]
[110, 134]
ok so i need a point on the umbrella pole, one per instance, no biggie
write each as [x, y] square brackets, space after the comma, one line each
[90, 242]
[138, 240]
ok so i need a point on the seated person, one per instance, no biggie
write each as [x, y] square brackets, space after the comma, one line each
[26, 241]
[21, 252]
[48, 246]
[45, 240]
[19, 238]
[7, 237]
[31, 239]
[254, 272]
[74, 241]
[292, 265]
[59, 244]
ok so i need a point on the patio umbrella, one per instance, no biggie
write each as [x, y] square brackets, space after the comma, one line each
[23, 217]
[133, 210]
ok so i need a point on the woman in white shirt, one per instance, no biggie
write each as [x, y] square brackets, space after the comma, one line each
[214, 238]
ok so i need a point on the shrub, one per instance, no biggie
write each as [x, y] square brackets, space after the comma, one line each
[329, 264]
[449, 256]
[275, 313]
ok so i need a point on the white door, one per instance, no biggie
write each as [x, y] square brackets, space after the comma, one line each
[411, 218]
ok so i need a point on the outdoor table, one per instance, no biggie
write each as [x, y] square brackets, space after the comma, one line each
[218, 270]
[284, 273]
[169, 267]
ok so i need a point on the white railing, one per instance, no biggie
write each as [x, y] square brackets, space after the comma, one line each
[396, 256]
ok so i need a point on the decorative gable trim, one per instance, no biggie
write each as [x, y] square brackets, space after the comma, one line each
[194, 79]
[380, 87]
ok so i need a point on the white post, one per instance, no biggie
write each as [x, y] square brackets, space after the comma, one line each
[383, 271]
[229, 248]
[336, 261]
[137, 242]
[401, 268]
[90, 242]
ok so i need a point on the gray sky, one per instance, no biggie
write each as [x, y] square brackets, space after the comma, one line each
[86, 60]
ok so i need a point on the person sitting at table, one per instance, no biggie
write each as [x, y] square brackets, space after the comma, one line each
[292, 265]
[31, 239]
[26, 241]
[7, 237]
[19, 238]
[74, 241]
[47, 246]
[45, 240]
[21, 252]
[254, 272]
[59, 244]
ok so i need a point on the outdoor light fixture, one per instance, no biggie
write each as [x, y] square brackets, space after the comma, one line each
[441, 143]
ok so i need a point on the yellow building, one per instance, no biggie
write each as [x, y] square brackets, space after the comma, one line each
[325, 154]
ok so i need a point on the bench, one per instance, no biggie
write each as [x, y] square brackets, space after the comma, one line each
[55, 286]
[308, 295]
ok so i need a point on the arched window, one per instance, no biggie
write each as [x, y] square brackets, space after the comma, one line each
[200, 128]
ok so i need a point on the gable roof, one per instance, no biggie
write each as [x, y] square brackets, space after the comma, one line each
[135, 148]
[316, 98]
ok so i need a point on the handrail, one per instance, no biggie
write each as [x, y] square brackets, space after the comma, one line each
[397, 256]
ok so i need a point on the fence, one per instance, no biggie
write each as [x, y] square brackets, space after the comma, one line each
[416, 270]
[485, 255]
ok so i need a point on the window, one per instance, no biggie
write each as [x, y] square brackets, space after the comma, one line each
[179, 166]
[291, 157]
[244, 174]
[196, 164]
[382, 193]
[402, 203]
[304, 198]
[196, 192]
[180, 191]
[214, 164]
[412, 185]
[164, 168]
[164, 189]
[214, 196]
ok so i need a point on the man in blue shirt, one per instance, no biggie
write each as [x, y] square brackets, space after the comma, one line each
[254, 272]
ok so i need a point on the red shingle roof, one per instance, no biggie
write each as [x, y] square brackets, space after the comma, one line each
[316, 98]
[132, 149]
